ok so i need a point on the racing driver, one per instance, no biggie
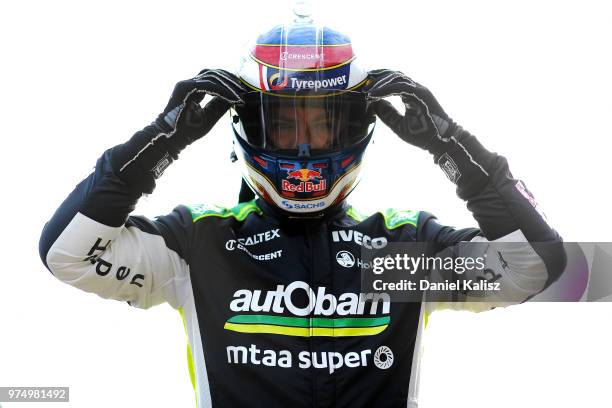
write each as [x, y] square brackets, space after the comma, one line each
[270, 290]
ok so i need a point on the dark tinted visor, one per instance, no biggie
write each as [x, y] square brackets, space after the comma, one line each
[283, 123]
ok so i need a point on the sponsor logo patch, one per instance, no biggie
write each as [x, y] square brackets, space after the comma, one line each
[450, 168]
[345, 258]
[359, 238]
[308, 180]
[161, 166]
[331, 361]
[302, 206]
[253, 239]
[303, 57]
[383, 357]
[529, 197]
[299, 310]
[243, 243]
[274, 79]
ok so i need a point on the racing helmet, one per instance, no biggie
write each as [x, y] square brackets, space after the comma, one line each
[303, 129]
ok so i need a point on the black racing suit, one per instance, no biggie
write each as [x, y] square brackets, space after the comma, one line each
[273, 317]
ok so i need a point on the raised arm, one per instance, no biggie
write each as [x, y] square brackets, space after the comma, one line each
[503, 207]
[92, 243]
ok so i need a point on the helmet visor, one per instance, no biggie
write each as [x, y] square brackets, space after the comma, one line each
[304, 123]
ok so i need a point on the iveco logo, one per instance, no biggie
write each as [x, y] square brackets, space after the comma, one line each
[345, 258]
[359, 238]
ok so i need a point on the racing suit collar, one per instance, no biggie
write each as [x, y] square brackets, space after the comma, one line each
[330, 213]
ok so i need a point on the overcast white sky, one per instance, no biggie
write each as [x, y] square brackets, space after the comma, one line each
[531, 79]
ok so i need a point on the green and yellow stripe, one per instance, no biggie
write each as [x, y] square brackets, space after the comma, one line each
[308, 327]
[240, 212]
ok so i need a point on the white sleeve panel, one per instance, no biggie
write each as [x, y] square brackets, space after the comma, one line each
[511, 262]
[121, 263]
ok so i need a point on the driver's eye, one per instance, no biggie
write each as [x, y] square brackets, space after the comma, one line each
[319, 125]
[283, 124]
[283, 139]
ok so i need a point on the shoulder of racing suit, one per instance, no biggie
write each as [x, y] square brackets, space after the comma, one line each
[239, 212]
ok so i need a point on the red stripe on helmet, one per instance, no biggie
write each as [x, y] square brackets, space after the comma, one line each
[262, 80]
[303, 57]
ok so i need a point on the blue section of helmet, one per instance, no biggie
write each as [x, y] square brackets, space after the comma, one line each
[329, 79]
[318, 174]
[303, 34]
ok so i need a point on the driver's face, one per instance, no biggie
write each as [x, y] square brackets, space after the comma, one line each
[295, 125]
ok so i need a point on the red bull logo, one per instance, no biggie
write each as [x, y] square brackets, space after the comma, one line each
[304, 175]
[305, 184]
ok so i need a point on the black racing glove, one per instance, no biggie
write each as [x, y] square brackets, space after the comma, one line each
[500, 203]
[143, 159]
[425, 124]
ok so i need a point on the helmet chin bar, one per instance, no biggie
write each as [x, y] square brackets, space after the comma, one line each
[339, 173]
[296, 207]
